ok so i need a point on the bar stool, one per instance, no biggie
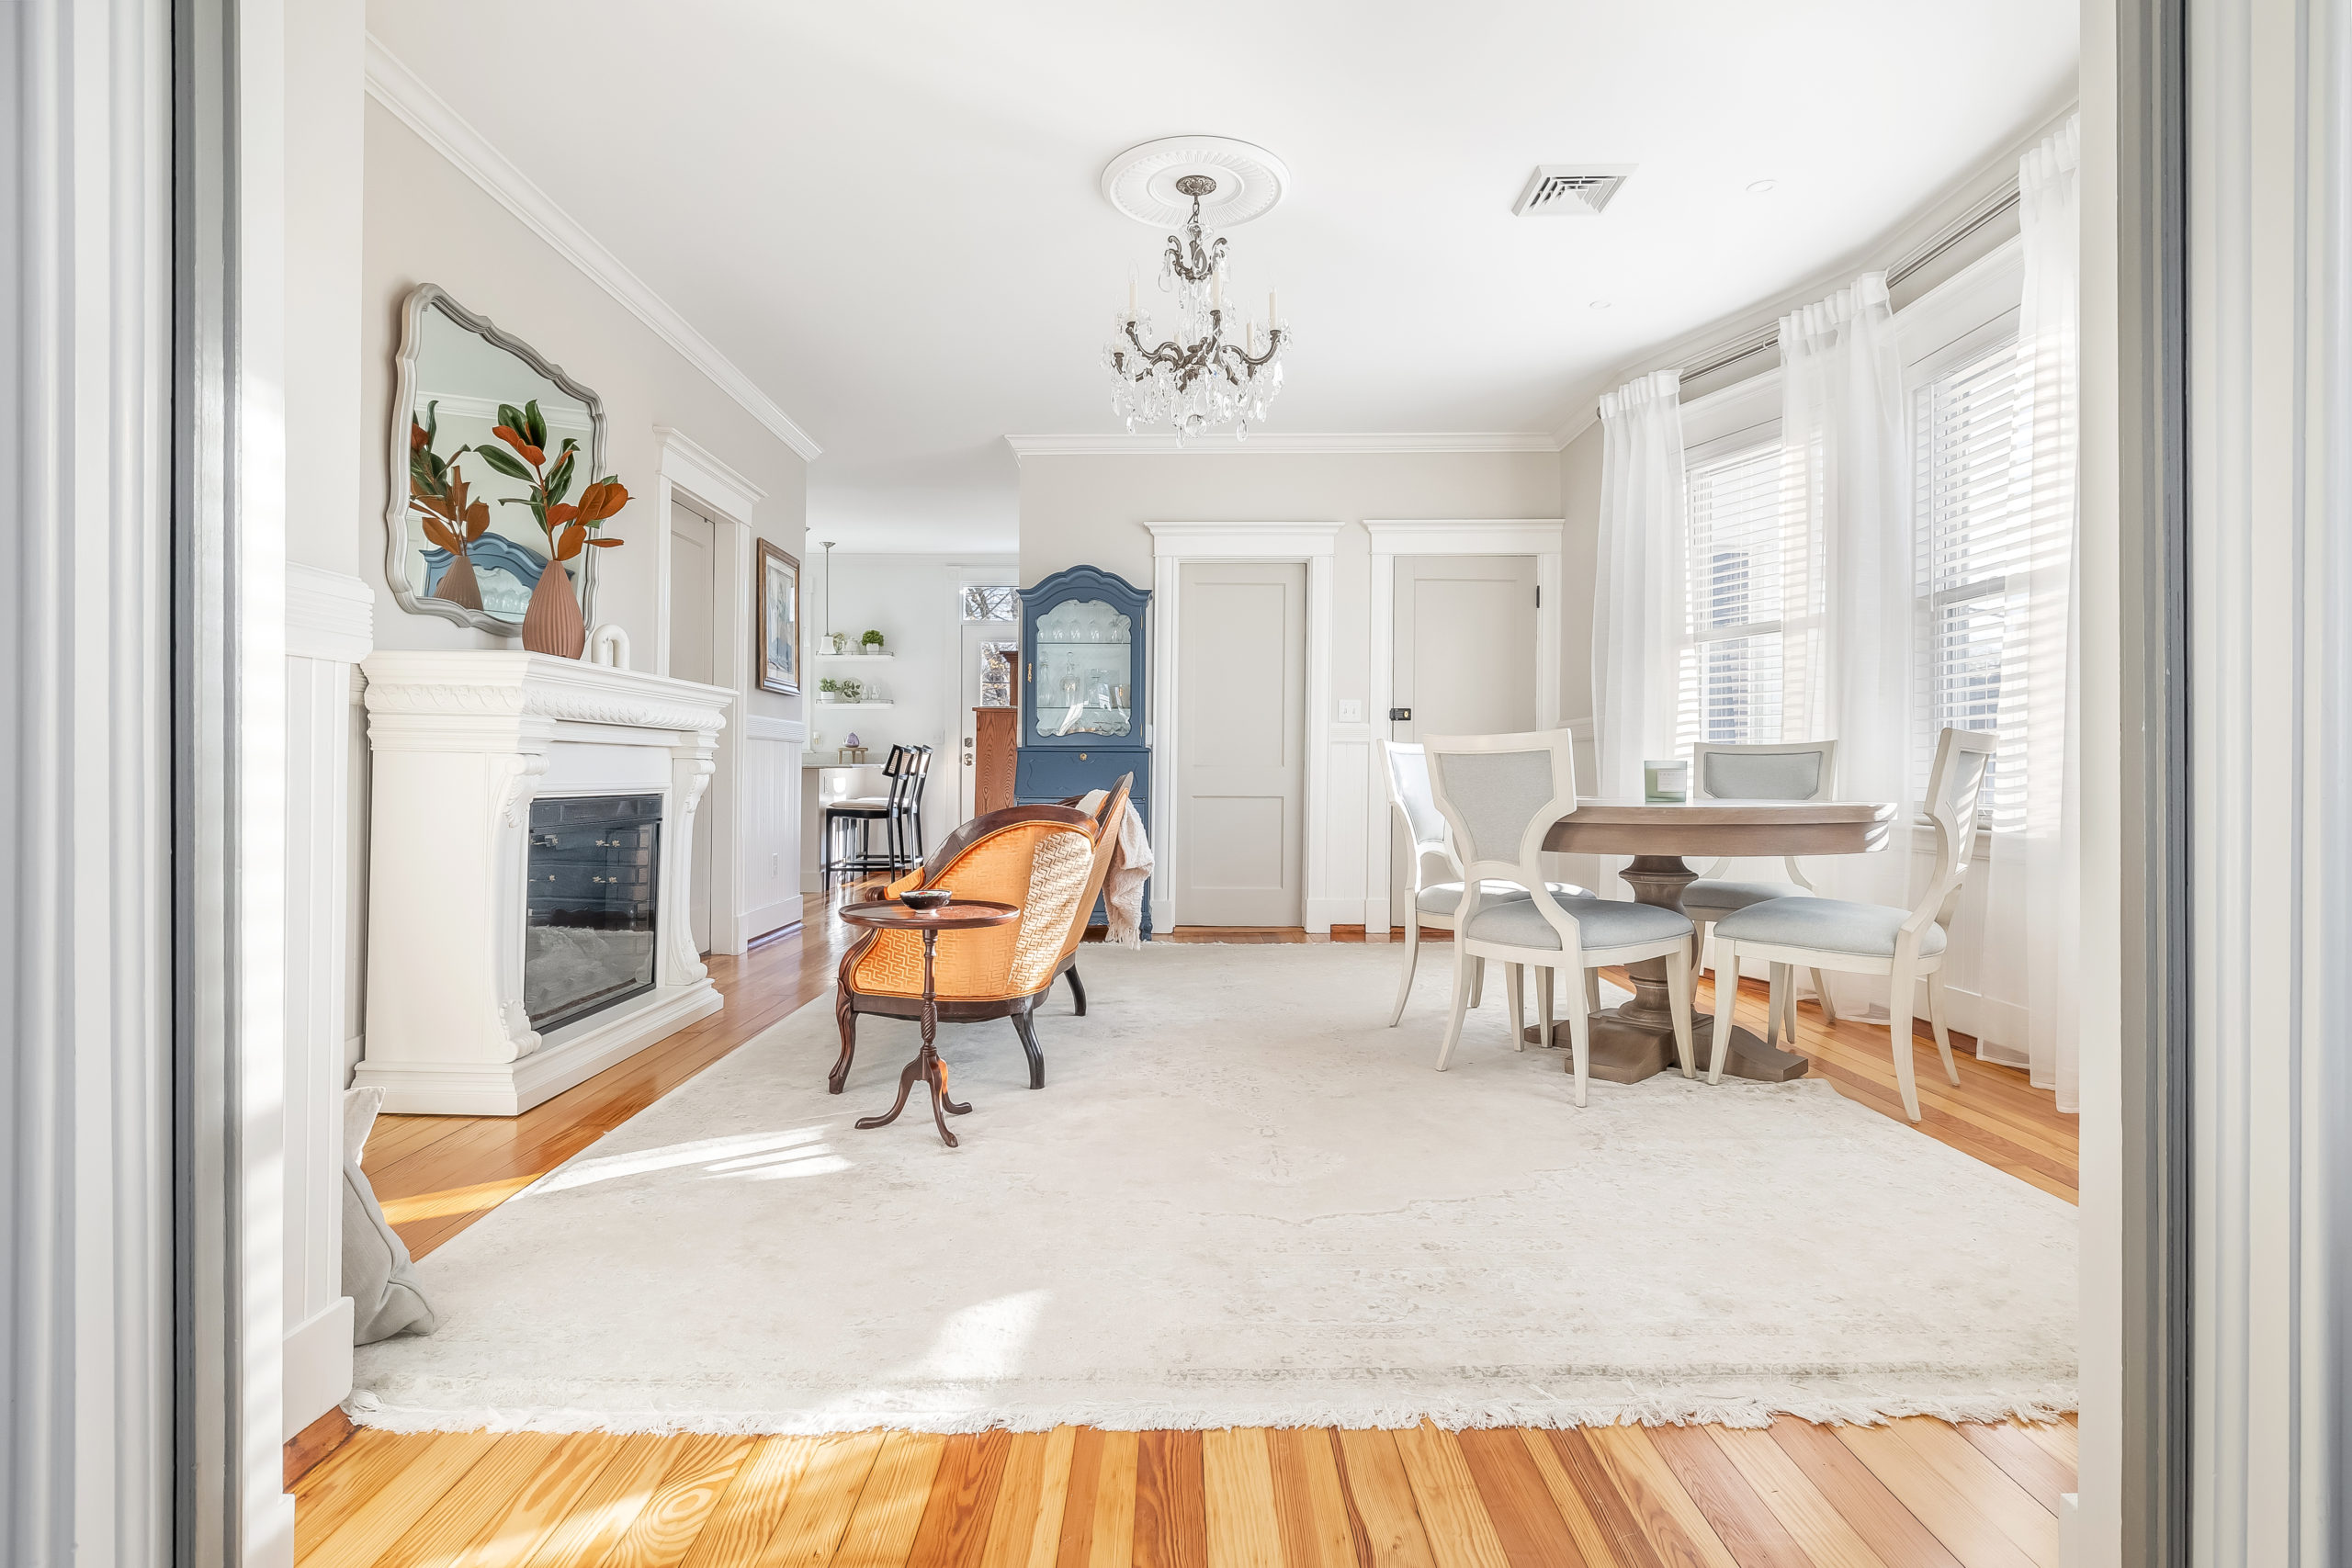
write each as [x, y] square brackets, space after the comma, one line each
[899, 811]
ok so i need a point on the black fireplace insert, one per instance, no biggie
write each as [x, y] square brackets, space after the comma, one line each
[592, 914]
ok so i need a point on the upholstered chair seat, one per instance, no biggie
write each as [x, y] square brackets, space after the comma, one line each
[1717, 898]
[1601, 922]
[1826, 925]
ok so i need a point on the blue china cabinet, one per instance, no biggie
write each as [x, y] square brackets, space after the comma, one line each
[1084, 692]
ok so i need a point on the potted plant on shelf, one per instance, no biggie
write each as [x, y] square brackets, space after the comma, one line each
[870, 643]
[552, 624]
[437, 492]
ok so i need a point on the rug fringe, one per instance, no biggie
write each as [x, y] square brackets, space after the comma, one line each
[1637, 1408]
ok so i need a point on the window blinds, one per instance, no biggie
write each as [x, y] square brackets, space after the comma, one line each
[1973, 533]
[1734, 664]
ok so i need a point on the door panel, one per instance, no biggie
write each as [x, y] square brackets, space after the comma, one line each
[694, 656]
[1240, 768]
[1464, 660]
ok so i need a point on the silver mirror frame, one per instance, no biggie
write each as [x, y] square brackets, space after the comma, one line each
[429, 297]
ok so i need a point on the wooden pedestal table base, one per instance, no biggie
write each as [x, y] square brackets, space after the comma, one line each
[1635, 1040]
[927, 1067]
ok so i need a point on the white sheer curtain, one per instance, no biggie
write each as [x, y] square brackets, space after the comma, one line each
[2033, 909]
[1846, 464]
[1641, 596]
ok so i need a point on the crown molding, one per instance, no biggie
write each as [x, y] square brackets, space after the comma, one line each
[1290, 445]
[418, 106]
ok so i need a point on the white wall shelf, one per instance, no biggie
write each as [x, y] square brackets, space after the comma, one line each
[823, 704]
[858, 658]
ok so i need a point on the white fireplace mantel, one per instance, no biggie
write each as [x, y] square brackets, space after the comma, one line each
[462, 743]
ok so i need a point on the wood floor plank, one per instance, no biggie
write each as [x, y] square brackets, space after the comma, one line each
[1526, 1521]
[1989, 1489]
[1245, 1528]
[1075, 1546]
[473, 1506]
[2027, 1463]
[1382, 1496]
[882, 1529]
[954, 1528]
[341, 1485]
[604, 1514]
[1608, 1505]
[1827, 1541]
[1586, 1524]
[1053, 1497]
[1453, 1515]
[1171, 1514]
[371, 1528]
[1973, 1537]
[1111, 1541]
[1749, 1528]
[1311, 1500]
[1862, 1500]
[548, 1495]
[738, 1528]
[817, 1515]
[664, 1529]
[1669, 1518]
[2057, 1439]
[1013, 1518]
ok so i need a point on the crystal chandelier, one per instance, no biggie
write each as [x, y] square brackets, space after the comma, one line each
[1197, 378]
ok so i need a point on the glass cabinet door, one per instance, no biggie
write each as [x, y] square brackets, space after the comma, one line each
[1084, 666]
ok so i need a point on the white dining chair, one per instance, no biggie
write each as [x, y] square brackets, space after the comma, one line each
[1499, 795]
[1803, 770]
[1437, 875]
[1903, 945]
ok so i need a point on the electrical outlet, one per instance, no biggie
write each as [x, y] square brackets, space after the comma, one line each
[1351, 710]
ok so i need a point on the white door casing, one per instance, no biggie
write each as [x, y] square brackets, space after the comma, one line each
[1173, 543]
[1241, 772]
[686, 471]
[694, 656]
[1391, 538]
[959, 685]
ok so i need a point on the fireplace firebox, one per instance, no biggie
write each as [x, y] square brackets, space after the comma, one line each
[590, 933]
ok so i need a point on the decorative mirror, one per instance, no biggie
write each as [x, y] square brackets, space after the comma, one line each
[461, 540]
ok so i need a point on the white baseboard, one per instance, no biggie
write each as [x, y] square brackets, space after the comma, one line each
[317, 1365]
[509, 1088]
[767, 917]
[1322, 914]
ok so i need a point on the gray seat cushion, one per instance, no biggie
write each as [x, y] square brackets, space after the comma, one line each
[1444, 897]
[1708, 900]
[1826, 925]
[1601, 923]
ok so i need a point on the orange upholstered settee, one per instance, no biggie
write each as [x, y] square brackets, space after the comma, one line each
[1048, 860]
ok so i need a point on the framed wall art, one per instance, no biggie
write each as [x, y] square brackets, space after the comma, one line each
[776, 621]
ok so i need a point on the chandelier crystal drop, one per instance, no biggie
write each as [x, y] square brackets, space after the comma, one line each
[1211, 365]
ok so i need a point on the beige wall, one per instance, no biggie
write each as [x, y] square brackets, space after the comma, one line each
[426, 222]
[1093, 511]
[1579, 558]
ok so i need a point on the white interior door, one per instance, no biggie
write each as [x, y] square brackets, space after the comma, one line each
[1465, 658]
[1241, 772]
[694, 656]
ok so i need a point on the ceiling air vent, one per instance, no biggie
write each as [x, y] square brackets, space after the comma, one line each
[1570, 190]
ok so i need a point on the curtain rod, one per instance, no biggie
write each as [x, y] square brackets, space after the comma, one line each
[2003, 198]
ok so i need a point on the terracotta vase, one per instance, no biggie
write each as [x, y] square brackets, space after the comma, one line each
[457, 584]
[552, 624]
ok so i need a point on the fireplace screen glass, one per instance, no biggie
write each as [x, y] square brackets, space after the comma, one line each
[588, 934]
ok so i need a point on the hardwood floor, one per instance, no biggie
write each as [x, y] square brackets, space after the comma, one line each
[1917, 1492]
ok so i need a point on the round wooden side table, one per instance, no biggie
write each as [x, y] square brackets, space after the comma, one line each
[962, 915]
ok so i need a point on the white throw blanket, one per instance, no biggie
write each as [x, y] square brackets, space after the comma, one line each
[1130, 864]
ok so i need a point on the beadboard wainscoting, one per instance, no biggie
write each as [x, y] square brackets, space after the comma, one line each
[330, 627]
[767, 872]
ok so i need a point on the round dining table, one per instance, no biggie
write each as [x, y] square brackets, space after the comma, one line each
[1635, 1039]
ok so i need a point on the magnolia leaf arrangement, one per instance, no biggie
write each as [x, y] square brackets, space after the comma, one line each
[567, 525]
[451, 518]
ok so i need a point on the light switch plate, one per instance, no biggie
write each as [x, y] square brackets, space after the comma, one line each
[1351, 710]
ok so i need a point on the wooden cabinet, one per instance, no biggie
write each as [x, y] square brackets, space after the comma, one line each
[995, 740]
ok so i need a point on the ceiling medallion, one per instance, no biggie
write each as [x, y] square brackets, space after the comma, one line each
[1214, 365]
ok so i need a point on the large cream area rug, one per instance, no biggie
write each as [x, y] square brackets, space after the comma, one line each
[1239, 1201]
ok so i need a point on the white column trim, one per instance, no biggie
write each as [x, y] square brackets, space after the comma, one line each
[1542, 537]
[684, 467]
[1173, 543]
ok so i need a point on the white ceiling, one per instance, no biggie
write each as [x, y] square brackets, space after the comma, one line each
[887, 212]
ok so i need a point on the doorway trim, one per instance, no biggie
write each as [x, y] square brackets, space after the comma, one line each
[1002, 573]
[1172, 544]
[687, 471]
[1541, 538]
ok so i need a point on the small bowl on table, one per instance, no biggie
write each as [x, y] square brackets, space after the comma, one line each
[922, 901]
